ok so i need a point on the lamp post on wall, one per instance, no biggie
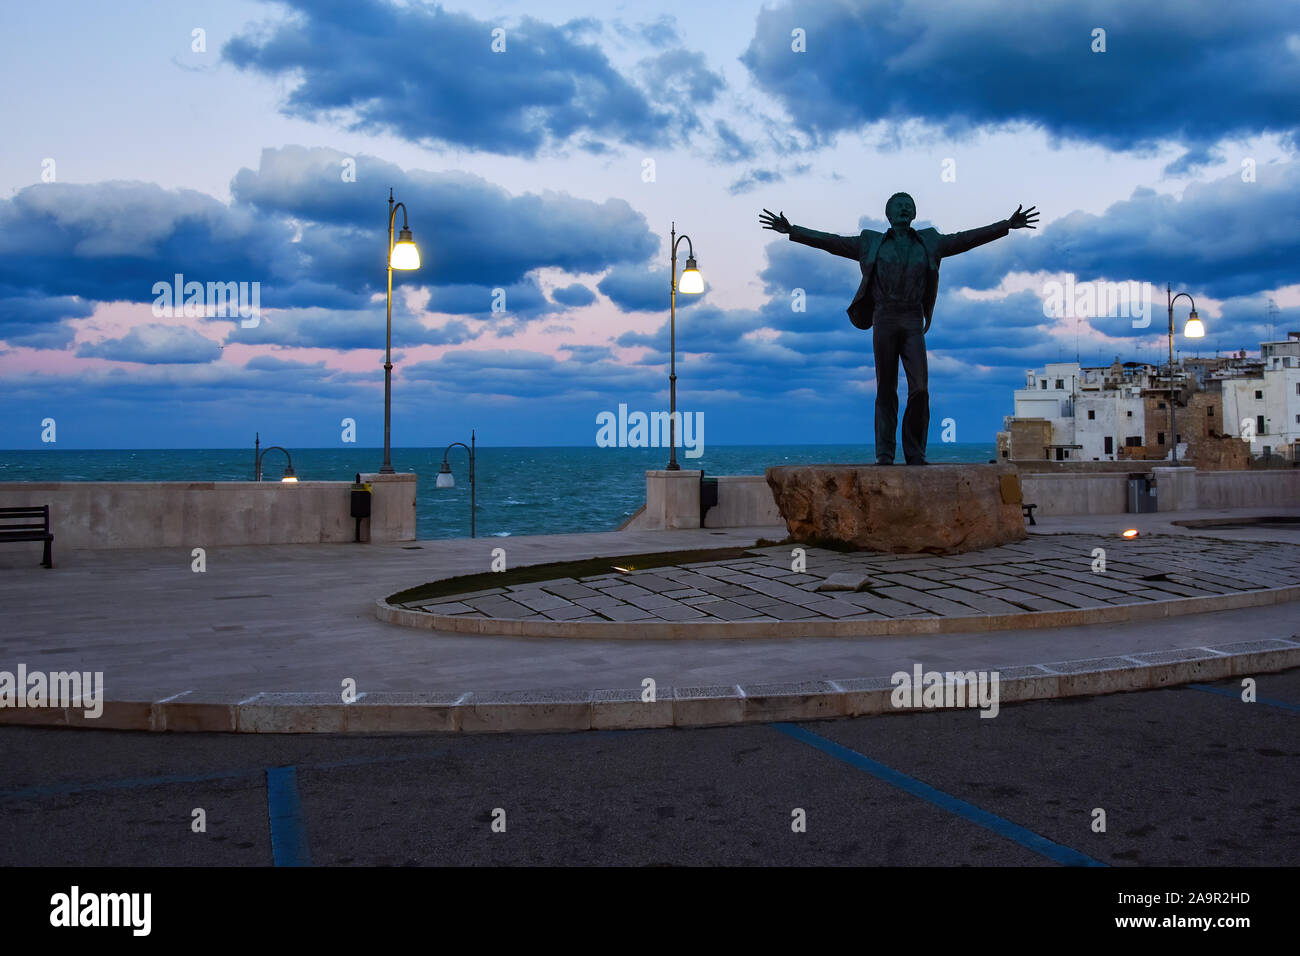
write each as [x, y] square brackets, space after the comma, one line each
[402, 255]
[1194, 329]
[692, 284]
[447, 480]
[259, 453]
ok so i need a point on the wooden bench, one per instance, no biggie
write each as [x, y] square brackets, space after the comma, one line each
[1028, 512]
[28, 524]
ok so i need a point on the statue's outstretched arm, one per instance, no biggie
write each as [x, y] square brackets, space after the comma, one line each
[848, 246]
[958, 242]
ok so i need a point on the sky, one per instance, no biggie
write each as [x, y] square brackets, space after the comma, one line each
[544, 150]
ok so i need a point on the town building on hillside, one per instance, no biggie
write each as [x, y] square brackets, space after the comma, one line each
[1264, 407]
[1068, 412]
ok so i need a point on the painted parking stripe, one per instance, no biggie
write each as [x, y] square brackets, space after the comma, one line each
[1236, 695]
[945, 801]
[288, 830]
[127, 783]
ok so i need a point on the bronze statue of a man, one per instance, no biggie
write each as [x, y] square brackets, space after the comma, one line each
[900, 281]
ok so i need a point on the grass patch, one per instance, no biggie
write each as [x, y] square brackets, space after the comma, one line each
[588, 567]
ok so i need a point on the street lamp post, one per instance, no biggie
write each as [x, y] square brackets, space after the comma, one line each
[447, 480]
[1194, 329]
[259, 453]
[403, 255]
[692, 284]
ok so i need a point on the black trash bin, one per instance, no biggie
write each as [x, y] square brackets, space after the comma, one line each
[360, 505]
[708, 495]
[1141, 493]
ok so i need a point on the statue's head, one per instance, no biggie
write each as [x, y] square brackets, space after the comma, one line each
[900, 210]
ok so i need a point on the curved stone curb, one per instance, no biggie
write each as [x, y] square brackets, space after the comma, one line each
[755, 629]
[623, 709]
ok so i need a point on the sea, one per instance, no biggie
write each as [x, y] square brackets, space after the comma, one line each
[520, 491]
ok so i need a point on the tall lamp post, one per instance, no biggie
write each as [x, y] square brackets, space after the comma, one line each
[403, 255]
[447, 480]
[1194, 329]
[692, 284]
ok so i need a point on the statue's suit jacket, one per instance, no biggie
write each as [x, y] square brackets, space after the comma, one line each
[864, 248]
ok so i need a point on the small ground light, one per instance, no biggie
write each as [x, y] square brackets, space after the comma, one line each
[1130, 533]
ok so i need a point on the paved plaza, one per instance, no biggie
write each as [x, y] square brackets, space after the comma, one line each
[278, 630]
[1056, 572]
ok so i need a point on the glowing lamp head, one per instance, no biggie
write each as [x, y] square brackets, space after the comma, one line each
[289, 476]
[404, 254]
[445, 478]
[692, 282]
[1194, 329]
[1130, 533]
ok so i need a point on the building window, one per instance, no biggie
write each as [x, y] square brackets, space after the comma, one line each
[1259, 425]
[1130, 414]
[1209, 411]
[1060, 383]
[1110, 443]
[1091, 414]
[1043, 383]
[1258, 394]
[1160, 405]
[1160, 438]
[1297, 388]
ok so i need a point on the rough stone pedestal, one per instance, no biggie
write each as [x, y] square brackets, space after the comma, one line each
[900, 509]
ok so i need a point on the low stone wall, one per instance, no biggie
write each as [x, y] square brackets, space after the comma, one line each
[204, 514]
[746, 501]
[1075, 494]
[1249, 489]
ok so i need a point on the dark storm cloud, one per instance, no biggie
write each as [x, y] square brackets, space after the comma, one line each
[469, 230]
[574, 296]
[1193, 72]
[39, 322]
[310, 238]
[549, 86]
[155, 344]
[640, 289]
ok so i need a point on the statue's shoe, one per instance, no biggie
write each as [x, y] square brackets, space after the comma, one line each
[884, 461]
[918, 461]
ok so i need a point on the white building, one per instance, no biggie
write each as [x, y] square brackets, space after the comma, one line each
[1091, 411]
[1264, 408]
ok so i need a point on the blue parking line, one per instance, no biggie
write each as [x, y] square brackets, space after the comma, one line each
[127, 783]
[288, 831]
[1236, 695]
[944, 801]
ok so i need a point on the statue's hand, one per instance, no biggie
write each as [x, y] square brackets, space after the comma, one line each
[777, 223]
[1023, 220]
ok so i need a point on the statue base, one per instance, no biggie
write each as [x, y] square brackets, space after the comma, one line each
[900, 509]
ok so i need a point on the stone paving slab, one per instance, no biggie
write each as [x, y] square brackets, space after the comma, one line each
[1046, 580]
